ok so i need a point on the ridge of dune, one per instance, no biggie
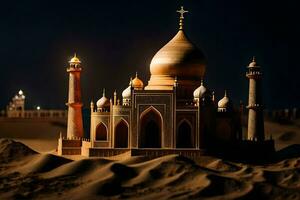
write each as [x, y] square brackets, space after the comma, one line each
[78, 168]
[46, 176]
[11, 150]
[43, 163]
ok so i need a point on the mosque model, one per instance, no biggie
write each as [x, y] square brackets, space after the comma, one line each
[174, 113]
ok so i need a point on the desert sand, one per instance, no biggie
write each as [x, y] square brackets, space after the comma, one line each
[33, 171]
[27, 174]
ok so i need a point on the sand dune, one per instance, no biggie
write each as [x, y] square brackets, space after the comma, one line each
[11, 150]
[26, 174]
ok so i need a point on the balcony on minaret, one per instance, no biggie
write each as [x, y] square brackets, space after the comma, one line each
[74, 69]
[255, 106]
[253, 70]
[253, 74]
[75, 64]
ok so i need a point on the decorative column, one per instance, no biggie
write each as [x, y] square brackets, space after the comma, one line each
[75, 127]
[255, 107]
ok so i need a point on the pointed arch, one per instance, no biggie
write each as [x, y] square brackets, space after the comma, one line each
[101, 132]
[121, 134]
[151, 123]
[184, 135]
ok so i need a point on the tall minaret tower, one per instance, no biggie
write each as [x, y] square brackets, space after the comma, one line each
[75, 127]
[255, 106]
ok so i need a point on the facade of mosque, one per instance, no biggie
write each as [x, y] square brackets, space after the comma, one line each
[174, 113]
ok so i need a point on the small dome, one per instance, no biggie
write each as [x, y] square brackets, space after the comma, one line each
[137, 83]
[253, 63]
[224, 102]
[200, 91]
[126, 94]
[75, 59]
[103, 102]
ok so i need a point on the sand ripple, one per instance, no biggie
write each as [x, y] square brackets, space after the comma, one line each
[47, 176]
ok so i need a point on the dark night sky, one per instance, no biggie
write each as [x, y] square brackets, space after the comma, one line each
[116, 38]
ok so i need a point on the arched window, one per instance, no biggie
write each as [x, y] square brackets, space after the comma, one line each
[101, 132]
[121, 135]
[150, 129]
[184, 135]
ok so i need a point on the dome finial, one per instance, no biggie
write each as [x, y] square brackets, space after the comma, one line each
[75, 59]
[103, 92]
[202, 81]
[130, 82]
[181, 12]
[253, 62]
[225, 95]
[136, 74]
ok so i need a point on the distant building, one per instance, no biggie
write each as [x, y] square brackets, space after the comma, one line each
[16, 109]
[174, 113]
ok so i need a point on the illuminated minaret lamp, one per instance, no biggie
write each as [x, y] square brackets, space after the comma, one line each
[255, 106]
[75, 126]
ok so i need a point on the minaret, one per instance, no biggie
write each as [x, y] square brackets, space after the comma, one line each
[255, 107]
[75, 127]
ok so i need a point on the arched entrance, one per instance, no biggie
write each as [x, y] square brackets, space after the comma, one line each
[150, 129]
[184, 135]
[101, 132]
[121, 135]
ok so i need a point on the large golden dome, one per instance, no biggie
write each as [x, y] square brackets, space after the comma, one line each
[178, 58]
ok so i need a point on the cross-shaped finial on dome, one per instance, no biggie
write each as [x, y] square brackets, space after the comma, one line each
[181, 12]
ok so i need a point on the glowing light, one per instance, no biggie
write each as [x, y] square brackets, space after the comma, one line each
[20, 92]
[38, 108]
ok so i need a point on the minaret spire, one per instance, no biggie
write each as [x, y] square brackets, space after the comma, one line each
[181, 12]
